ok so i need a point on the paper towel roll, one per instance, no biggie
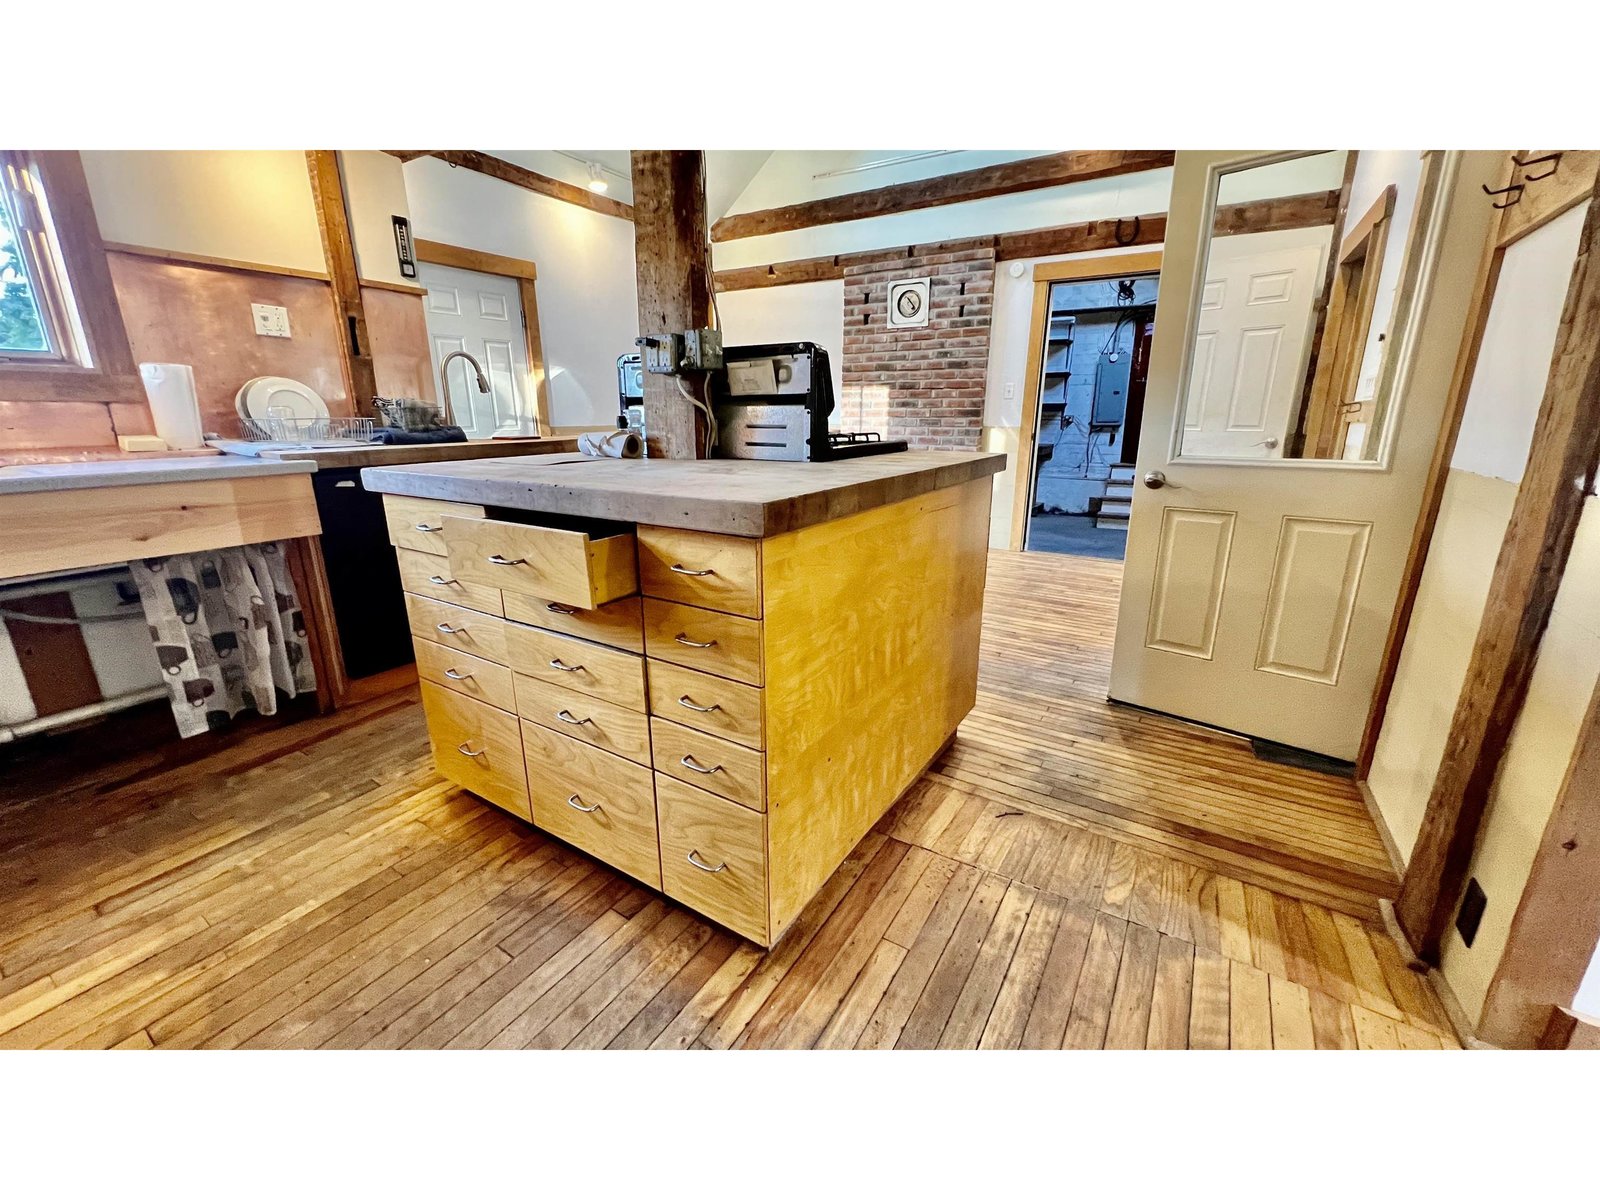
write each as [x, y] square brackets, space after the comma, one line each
[174, 403]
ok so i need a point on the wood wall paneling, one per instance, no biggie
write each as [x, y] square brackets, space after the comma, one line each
[397, 327]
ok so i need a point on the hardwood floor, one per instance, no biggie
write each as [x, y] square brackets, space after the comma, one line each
[1068, 875]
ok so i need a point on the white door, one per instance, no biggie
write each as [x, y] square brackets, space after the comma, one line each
[481, 314]
[1257, 592]
[1251, 343]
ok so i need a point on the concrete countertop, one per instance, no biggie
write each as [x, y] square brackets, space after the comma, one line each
[71, 476]
[717, 495]
[358, 454]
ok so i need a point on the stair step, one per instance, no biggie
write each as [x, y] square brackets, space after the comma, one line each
[1105, 522]
[1119, 491]
[1122, 473]
[1116, 508]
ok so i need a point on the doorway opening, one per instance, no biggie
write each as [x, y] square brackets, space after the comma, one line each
[1092, 342]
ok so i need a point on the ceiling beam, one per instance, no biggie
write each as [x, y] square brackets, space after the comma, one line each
[1049, 170]
[510, 172]
[1303, 211]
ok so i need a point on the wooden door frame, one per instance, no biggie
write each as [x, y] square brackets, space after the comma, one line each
[526, 273]
[1108, 266]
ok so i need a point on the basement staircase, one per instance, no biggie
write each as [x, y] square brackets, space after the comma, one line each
[1116, 506]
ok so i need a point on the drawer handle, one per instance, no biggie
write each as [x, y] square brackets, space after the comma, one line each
[452, 673]
[574, 802]
[566, 610]
[561, 666]
[685, 640]
[565, 715]
[471, 753]
[441, 581]
[693, 707]
[499, 561]
[442, 627]
[688, 761]
[424, 527]
[683, 570]
[699, 863]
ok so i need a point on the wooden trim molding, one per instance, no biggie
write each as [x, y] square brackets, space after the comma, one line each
[1110, 266]
[533, 181]
[1028, 425]
[188, 258]
[1303, 211]
[446, 255]
[384, 285]
[1049, 170]
[1561, 466]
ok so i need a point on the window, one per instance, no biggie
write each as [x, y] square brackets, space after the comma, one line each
[38, 324]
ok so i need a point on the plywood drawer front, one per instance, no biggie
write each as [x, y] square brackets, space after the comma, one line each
[602, 804]
[478, 634]
[563, 565]
[429, 575]
[477, 747]
[733, 772]
[709, 570]
[619, 624]
[459, 672]
[601, 724]
[418, 524]
[706, 641]
[708, 703]
[728, 841]
[599, 671]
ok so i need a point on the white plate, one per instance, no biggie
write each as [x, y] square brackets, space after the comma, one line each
[238, 397]
[275, 396]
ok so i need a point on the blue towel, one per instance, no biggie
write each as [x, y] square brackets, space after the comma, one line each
[425, 437]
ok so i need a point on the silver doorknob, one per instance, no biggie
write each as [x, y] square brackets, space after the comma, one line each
[1155, 479]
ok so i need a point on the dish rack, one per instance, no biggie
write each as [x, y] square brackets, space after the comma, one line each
[306, 429]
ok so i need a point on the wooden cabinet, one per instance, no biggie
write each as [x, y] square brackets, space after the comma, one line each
[707, 570]
[708, 641]
[602, 804]
[725, 768]
[714, 857]
[428, 575]
[418, 524]
[708, 703]
[562, 565]
[477, 746]
[618, 624]
[599, 723]
[464, 629]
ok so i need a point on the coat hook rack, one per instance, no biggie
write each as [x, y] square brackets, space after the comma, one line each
[1514, 190]
[1553, 158]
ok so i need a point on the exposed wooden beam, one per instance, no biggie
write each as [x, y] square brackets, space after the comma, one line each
[510, 172]
[1288, 212]
[674, 292]
[468, 259]
[1049, 170]
[333, 219]
[1544, 519]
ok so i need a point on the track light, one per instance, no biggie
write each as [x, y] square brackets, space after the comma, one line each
[597, 179]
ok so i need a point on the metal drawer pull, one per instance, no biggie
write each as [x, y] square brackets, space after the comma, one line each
[565, 715]
[566, 610]
[696, 861]
[683, 570]
[498, 561]
[440, 580]
[424, 527]
[472, 753]
[688, 761]
[691, 705]
[684, 639]
[561, 666]
[442, 627]
[574, 802]
[452, 673]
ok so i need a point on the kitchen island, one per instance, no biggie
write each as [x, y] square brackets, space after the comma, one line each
[713, 675]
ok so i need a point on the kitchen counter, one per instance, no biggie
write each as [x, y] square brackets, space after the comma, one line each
[719, 495]
[358, 454]
[73, 476]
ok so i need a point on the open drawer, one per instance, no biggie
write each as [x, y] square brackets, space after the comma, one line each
[581, 567]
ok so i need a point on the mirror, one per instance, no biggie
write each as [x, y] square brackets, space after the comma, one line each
[1299, 316]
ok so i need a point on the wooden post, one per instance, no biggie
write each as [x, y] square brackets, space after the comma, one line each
[669, 222]
[1544, 519]
[333, 219]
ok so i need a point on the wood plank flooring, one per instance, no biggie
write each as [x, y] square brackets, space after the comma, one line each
[1068, 875]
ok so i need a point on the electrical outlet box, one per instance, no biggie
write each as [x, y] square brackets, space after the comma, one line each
[271, 320]
[661, 352]
[702, 350]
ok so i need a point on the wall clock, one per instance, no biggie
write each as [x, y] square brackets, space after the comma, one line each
[908, 303]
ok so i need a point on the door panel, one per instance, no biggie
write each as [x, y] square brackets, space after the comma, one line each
[481, 314]
[1258, 591]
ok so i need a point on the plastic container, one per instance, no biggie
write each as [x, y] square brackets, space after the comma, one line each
[174, 403]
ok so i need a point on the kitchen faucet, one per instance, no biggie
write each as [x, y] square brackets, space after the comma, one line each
[446, 413]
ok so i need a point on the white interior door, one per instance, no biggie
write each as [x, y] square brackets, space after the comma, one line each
[1257, 592]
[1251, 342]
[481, 314]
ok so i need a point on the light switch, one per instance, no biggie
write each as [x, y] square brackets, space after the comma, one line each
[271, 320]
[1011, 391]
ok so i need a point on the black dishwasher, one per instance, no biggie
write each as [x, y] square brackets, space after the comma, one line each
[363, 576]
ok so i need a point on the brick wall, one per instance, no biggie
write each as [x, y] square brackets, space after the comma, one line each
[925, 385]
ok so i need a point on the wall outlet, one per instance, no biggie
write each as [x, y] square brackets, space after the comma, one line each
[271, 320]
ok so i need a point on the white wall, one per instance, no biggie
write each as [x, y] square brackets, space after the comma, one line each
[375, 193]
[798, 312]
[588, 303]
[250, 205]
